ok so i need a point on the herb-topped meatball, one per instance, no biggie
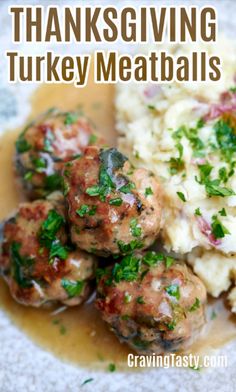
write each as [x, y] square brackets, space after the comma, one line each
[38, 263]
[113, 208]
[45, 144]
[152, 302]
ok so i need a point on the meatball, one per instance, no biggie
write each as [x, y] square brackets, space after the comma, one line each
[37, 260]
[113, 208]
[152, 302]
[44, 145]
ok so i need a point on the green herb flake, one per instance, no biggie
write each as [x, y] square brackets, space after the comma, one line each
[63, 330]
[127, 298]
[169, 261]
[116, 201]
[127, 188]
[86, 210]
[135, 228]
[140, 300]
[148, 191]
[195, 306]
[232, 90]
[112, 367]
[223, 212]
[218, 229]
[130, 247]
[181, 196]
[152, 258]
[73, 288]
[173, 291]
[28, 176]
[22, 145]
[88, 380]
[171, 326]
[70, 118]
[197, 212]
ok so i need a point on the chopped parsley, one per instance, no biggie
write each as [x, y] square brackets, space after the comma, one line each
[127, 298]
[195, 306]
[53, 182]
[212, 187]
[177, 164]
[173, 291]
[171, 326]
[135, 228]
[22, 145]
[47, 235]
[148, 191]
[169, 261]
[130, 247]
[87, 381]
[232, 90]
[152, 258]
[28, 176]
[127, 188]
[127, 269]
[197, 212]
[223, 212]
[20, 266]
[140, 300]
[86, 210]
[70, 118]
[116, 201]
[181, 196]
[218, 229]
[112, 367]
[73, 288]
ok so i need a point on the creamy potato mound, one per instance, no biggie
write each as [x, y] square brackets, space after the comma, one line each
[186, 134]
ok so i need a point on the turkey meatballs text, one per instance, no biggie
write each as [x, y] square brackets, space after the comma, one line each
[113, 208]
[152, 302]
[37, 260]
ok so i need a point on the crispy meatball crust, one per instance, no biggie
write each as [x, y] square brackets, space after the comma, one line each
[152, 302]
[37, 262]
[44, 145]
[113, 208]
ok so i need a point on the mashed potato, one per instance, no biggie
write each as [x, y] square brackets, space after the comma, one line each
[186, 134]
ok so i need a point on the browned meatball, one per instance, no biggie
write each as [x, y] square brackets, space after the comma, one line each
[113, 208]
[152, 302]
[44, 145]
[37, 262]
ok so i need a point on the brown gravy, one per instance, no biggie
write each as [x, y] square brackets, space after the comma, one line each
[78, 334]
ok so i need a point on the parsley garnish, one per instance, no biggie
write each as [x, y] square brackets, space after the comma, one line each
[140, 300]
[151, 258]
[86, 210]
[218, 229]
[173, 291]
[87, 381]
[112, 367]
[195, 306]
[130, 247]
[135, 228]
[20, 266]
[47, 235]
[148, 191]
[181, 196]
[71, 118]
[127, 269]
[22, 145]
[197, 212]
[116, 202]
[73, 288]
[93, 138]
[223, 212]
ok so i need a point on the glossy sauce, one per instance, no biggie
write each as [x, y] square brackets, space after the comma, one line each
[78, 334]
